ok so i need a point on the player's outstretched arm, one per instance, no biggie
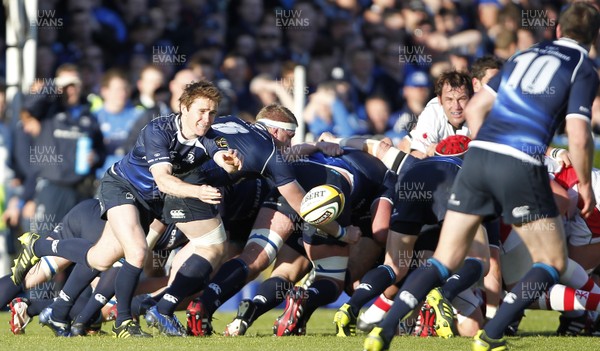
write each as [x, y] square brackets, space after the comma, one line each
[326, 147]
[171, 185]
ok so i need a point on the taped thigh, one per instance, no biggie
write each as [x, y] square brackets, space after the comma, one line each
[214, 237]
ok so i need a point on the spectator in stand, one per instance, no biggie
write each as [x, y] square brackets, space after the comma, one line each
[151, 78]
[246, 14]
[142, 36]
[327, 111]
[116, 117]
[525, 38]
[176, 87]
[245, 45]
[45, 62]
[416, 93]
[176, 30]
[267, 64]
[269, 41]
[66, 150]
[302, 38]
[378, 113]
[450, 34]
[210, 52]
[375, 13]
[202, 67]
[505, 45]
[393, 69]
[131, 10]
[361, 76]
[459, 60]
[414, 13]
[269, 91]
[235, 69]
[487, 13]
[82, 27]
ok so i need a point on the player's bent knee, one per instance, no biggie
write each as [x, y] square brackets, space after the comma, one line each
[268, 240]
[135, 256]
[48, 267]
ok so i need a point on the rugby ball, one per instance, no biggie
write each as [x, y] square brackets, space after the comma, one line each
[322, 204]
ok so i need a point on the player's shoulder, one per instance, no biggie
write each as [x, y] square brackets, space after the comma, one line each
[231, 125]
[433, 110]
[433, 103]
[161, 125]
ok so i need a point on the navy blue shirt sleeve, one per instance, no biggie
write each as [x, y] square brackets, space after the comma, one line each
[278, 171]
[583, 91]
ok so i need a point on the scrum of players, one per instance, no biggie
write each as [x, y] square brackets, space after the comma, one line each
[223, 195]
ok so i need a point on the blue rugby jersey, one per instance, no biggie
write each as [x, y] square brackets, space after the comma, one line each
[160, 141]
[535, 91]
[261, 157]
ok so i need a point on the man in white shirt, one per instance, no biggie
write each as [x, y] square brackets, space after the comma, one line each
[444, 115]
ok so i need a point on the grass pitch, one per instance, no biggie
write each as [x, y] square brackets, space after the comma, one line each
[537, 333]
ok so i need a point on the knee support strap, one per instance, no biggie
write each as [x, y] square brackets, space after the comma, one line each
[269, 240]
[332, 267]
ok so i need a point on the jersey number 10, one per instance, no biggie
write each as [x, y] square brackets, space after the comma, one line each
[533, 72]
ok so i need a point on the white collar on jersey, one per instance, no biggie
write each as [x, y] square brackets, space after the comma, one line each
[179, 133]
[570, 43]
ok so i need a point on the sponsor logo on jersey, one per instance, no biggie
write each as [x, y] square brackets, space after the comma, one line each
[453, 201]
[520, 211]
[190, 158]
[221, 142]
[584, 109]
[177, 214]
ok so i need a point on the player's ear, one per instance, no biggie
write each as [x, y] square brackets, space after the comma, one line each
[558, 31]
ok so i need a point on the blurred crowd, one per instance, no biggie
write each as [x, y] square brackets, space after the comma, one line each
[105, 68]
